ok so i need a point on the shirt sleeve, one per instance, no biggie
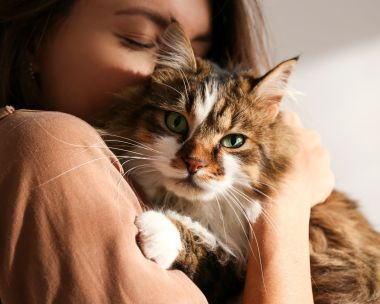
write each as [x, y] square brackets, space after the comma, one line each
[67, 232]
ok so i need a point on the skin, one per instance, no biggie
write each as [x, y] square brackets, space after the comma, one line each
[284, 274]
[105, 45]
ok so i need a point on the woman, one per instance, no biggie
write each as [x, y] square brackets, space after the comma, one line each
[66, 230]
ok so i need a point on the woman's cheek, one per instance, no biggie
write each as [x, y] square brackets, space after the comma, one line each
[83, 84]
[135, 65]
[112, 77]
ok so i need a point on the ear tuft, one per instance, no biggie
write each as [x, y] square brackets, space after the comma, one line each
[272, 87]
[174, 50]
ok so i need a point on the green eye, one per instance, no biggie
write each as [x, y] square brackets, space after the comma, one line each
[233, 141]
[176, 122]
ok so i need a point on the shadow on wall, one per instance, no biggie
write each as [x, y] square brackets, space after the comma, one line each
[315, 27]
[338, 72]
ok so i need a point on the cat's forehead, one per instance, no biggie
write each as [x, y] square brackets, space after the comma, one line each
[210, 96]
[217, 96]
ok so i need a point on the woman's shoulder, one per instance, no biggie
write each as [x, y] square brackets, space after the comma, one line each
[8, 114]
[17, 122]
[25, 129]
[54, 138]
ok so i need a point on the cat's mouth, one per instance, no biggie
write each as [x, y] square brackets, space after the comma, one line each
[188, 188]
[189, 182]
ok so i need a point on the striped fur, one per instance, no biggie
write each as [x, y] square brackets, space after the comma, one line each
[212, 209]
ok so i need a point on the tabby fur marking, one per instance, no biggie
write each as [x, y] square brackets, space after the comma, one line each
[207, 146]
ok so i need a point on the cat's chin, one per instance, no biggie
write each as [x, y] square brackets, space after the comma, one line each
[189, 190]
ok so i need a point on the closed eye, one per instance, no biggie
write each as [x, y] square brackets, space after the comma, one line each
[134, 43]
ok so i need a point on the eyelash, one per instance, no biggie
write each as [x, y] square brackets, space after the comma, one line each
[135, 44]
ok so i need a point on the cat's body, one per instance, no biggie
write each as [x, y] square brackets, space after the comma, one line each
[207, 147]
[344, 254]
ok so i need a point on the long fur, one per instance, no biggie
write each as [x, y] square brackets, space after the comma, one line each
[223, 197]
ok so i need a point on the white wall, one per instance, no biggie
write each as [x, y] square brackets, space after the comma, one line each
[339, 75]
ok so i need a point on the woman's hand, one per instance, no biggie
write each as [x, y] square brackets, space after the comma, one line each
[278, 269]
[311, 180]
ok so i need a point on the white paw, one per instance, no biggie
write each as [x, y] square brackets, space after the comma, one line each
[159, 238]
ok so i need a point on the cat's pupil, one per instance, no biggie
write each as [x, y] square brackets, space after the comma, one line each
[177, 121]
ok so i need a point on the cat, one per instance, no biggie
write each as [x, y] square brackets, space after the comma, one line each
[206, 146]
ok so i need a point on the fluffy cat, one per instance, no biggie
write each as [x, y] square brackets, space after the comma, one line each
[206, 146]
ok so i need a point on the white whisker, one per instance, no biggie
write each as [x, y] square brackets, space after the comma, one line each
[270, 186]
[131, 151]
[249, 200]
[261, 264]
[236, 201]
[221, 218]
[105, 133]
[170, 87]
[72, 169]
[257, 245]
[140, 173]
[119, 143]
[262, 193]
[66, 142]
[268, 218]
[183, 77]
[134, 168]
[237, 216]
[136, 157]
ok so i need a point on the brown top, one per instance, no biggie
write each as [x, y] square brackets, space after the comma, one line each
[67, 232]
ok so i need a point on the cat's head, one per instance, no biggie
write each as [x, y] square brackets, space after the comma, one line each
[198, 130]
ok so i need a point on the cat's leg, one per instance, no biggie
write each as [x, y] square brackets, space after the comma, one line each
[159, 238]
[175, 241]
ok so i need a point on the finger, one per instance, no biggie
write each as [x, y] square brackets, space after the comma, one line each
[292, 119]
[313, 137]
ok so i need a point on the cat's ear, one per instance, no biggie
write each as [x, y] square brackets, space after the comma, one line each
[174, 50]
[272, 87]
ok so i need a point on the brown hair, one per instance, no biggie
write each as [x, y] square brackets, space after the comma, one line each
[238, 33]
[23, 24]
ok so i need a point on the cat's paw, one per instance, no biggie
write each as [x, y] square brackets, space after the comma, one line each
[158, 238]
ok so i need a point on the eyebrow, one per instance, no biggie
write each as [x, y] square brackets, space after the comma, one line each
[158, 19]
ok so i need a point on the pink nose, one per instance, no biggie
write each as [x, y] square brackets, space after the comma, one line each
[193, 164]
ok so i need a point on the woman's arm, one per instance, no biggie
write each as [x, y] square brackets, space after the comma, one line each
[67, 232]
[279, 269]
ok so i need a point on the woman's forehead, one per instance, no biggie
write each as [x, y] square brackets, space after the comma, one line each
[193, 15]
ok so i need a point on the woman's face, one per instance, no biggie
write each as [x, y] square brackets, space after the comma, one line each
[105, 45]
